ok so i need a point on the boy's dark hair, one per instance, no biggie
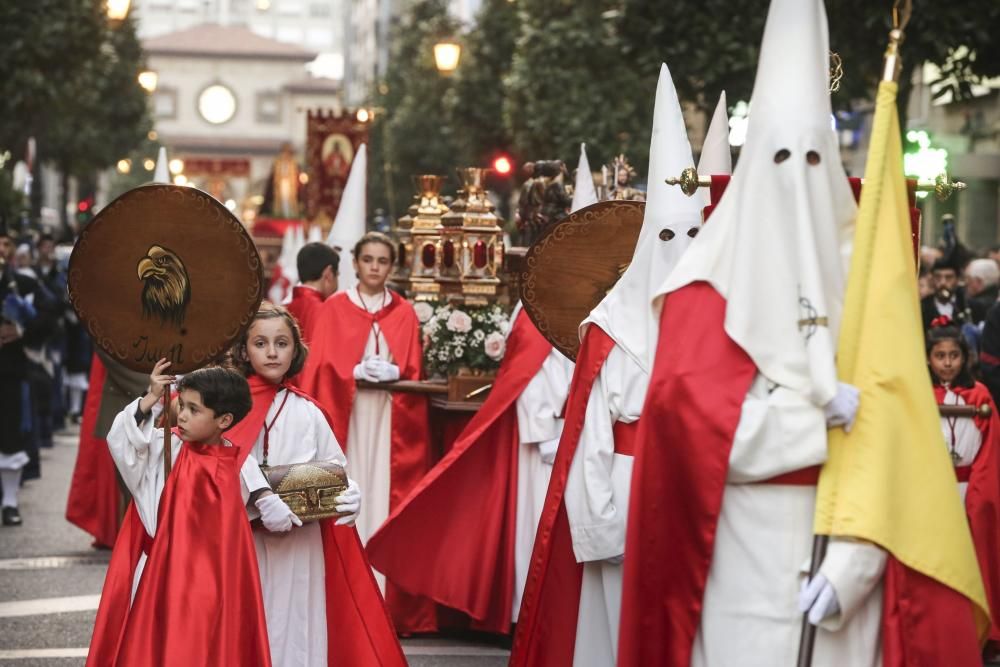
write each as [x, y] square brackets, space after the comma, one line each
[313, 258]
[937, 334]
[376, 237]
[222, 390]
[268, 311]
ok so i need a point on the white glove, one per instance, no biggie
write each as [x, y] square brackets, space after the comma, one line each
[548, 449]
[381, 370]
[349, 504]
[819, 599]
[276, 516]
[361, 374]
[842, 410]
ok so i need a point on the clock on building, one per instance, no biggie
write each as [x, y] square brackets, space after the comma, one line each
[217, 104]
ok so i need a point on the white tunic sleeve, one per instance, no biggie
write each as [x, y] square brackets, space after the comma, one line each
[138, 454]
[598, 485]
[854, 569]
[540, 405]
[779, 431]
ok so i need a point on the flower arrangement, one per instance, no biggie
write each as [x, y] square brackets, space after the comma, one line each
[455, 337]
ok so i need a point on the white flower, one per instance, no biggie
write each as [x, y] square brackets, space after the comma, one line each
[431, 328]
[459, 322]
[423, 310]
[443, 355]
[478, 336]
[459, 352]
[495, 346]
[504, 326]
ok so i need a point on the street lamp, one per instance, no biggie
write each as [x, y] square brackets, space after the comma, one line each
[118, 9]
[446, 55]
[148, 80]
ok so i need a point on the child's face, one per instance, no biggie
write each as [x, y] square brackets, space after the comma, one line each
[270, 348]
[198, 423]
[946, 360]
[373, 265]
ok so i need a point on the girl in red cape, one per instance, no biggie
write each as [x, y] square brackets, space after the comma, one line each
[321, 601]
[492, 483]
[973, 447]
[182, 586]
[369, 333]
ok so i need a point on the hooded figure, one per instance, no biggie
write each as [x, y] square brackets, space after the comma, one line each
[716, 158]
[569, 614]
[724, 486]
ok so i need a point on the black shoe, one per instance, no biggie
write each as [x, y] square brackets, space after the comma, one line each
[11, 517]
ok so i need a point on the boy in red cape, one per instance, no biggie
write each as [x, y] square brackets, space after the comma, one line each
[369, 333]
[182, 586]
[317, 264]
[492, 482]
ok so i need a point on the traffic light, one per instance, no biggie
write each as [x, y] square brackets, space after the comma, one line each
[84, 210]
[502, 165]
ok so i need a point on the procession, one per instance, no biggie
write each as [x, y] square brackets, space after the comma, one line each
[400, 342]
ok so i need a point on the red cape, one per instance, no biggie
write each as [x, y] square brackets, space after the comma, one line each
[982, 497]
[678, 482]
[340, 333]
[358, 625]
[546, 627]
[94, 495]
[304, 305]
[477, 482]
[199, 599]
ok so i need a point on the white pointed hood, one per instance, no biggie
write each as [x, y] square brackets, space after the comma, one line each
[286, 260]
[584, 193]
[162, 173]
[670, 222]
[777, 245]
[349, 225]
[315, 234]
[716, 157]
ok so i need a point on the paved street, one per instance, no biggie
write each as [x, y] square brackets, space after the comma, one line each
[50, 583]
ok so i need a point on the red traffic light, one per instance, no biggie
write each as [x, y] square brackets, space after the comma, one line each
[502, 165]
[84, 205]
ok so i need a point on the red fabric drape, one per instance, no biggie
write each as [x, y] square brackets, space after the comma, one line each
[466, 506]
[340, 333]
[94, 495]
[546, 628]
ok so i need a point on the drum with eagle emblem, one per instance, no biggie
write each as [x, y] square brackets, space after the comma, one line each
[165, 271]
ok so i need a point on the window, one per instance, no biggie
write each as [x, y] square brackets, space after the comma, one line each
[268, 107]
[165, 103]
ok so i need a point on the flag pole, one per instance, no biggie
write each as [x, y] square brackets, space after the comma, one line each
[890, 72]
[167, 454]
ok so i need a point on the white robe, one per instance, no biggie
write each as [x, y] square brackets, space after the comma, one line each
[597, 494]
[369, 436]
[763, 544]
[138, 453]
[292, 565]
[539, 410]
[967, 437]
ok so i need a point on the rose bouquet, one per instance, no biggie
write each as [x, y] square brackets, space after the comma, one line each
[473, 337]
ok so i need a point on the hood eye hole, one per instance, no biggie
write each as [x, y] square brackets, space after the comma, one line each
[812, 157]
[666, 234]
[782, 155]
[693, 232]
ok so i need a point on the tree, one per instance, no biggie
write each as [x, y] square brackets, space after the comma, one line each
[412, 135]
[713, 47]
[569, 82]
[476, 101]
[70, 80]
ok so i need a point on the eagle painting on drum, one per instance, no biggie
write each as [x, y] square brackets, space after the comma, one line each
[166, 289]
